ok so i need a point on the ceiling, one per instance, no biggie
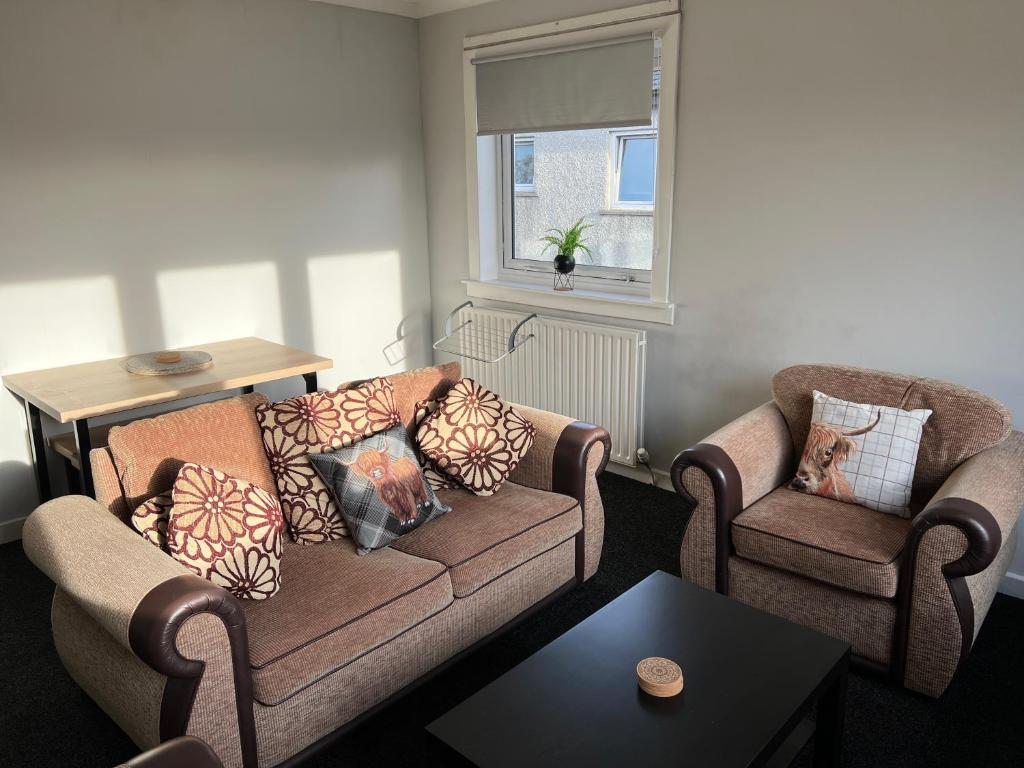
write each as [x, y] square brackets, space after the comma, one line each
[415, 9]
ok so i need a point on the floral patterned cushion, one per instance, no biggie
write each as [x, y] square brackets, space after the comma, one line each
[226, 530]
[435, 478]
[475, 437]
[150, 519]
[314, 423]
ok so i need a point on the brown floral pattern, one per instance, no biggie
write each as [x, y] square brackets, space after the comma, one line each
[150, 519]
[226, 530]
[469, 403]
[472, 437]
[314, 423]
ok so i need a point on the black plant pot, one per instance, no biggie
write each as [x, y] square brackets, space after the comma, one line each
[564, 266]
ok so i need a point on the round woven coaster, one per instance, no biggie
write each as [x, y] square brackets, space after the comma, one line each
[167, 363]
[659, 677]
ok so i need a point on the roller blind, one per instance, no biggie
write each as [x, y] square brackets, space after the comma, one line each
[600, 86]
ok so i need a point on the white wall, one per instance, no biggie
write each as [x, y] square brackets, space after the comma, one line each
[849, 188]
[175, 172]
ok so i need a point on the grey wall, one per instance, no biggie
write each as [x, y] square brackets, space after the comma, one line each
[849, 188]
[181, 171]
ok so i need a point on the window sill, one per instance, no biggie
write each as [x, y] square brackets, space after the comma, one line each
[581, 300]
[626, 212]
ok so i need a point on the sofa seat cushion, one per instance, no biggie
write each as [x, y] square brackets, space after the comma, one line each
[484, 537]
[845, 545]
[333, 607]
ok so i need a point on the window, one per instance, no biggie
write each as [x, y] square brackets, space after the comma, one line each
[573, 120]
[634, 156]
[578, 180]
[523, 159]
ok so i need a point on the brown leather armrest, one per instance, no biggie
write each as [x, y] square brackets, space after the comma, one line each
[983, 542]
[728, 488]
[183, 752]
[569, 463]
[152, 632]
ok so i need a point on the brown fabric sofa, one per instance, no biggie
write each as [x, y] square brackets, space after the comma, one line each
[908, 595]
[166, 653]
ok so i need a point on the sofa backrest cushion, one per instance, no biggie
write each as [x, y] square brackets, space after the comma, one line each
[224, 434]
[963, 422]
[422, 384]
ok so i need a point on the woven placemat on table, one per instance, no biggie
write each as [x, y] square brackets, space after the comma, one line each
[168, 363]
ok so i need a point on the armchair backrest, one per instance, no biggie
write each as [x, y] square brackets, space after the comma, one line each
[963, 422]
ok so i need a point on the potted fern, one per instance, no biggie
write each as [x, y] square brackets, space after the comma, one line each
[566, 243]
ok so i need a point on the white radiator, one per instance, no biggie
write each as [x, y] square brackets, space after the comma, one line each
[591, 372]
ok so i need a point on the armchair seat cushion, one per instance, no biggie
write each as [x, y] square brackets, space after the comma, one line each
[484, 537]
[845, 545]
[333, 607]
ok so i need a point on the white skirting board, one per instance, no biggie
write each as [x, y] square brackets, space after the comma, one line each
[10, 530]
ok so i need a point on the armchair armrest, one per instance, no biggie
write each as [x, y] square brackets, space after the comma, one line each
[182, 752]
[957, 550]
[720, 477]
[143, 600]
[566, 457]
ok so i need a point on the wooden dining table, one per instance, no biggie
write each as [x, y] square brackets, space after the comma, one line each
[77, 393]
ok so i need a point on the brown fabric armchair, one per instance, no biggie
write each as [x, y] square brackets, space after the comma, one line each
[909, 595]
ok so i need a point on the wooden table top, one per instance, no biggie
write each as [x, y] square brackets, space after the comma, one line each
[94, 389]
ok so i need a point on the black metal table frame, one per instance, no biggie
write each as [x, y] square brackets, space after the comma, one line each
[82, 482]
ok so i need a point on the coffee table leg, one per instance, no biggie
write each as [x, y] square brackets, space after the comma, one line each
[38, 444]
[310, 379]
[828, 731]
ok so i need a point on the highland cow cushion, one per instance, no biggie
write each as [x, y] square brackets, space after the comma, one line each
[322, 421]
[475, 437]
[227, 531]
[379, 487]
[150, 519]
[861, 454]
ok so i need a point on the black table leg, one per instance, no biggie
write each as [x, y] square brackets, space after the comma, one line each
[310, 379]
[828, 731]
[38, 443]
[73, 477]
[247, 390]
[84, 445]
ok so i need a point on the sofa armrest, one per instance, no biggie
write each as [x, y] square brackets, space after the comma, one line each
[957, 551]
[182, 752]
[144, 601]
[566, 457]
[720, 477]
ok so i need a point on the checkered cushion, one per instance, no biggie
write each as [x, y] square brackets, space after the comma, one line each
[862, 454]
[379, 487]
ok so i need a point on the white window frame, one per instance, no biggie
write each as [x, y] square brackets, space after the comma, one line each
[531, 188]
[616, 148]
[615, 294]
[634, 282]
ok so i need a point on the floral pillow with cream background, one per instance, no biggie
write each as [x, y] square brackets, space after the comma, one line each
[474, 437]
[227, 531]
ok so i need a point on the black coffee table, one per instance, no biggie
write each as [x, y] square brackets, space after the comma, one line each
[750, 678]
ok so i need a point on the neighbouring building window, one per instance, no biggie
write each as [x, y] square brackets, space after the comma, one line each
[635, 158]
[523, 160]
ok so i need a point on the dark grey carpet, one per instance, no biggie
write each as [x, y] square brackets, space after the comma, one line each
[46, 721]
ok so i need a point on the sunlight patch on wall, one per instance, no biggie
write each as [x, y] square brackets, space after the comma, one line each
[203, 304]
[356, 307]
